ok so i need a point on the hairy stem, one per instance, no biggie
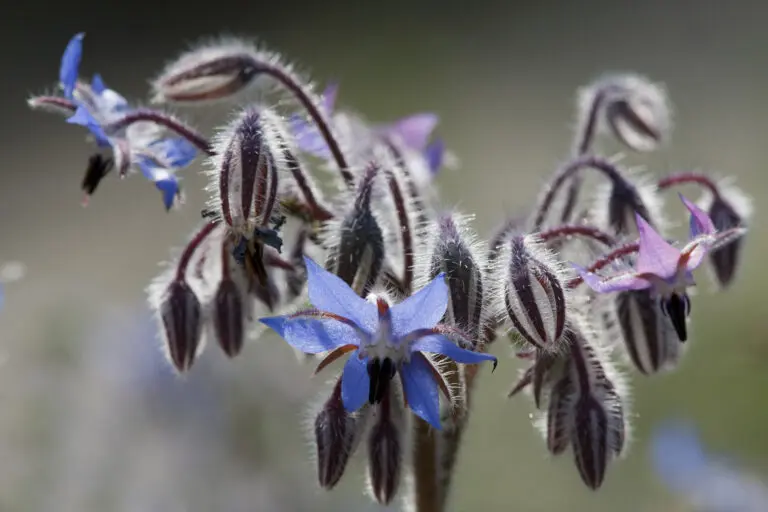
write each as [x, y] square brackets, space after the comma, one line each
[405, 231]
[567, 231]
[689, 178]
[167, 121]
[624, 250]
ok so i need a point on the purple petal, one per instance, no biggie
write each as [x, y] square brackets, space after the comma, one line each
[696, 250]
[308, 138]
[70, 64]
[83, 117]
[621, 282]
[434, 154]
[442, 345]
[655, 256]
[414, 131]
[700, 223]
[355, 382]
[329, 98]
[97, 84]
[421, 390]
[328, 292]
[312, 336]
[422, 310]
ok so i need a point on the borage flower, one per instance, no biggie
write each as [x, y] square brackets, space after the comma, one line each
[144, 145]
[383, 340]
[664, 268]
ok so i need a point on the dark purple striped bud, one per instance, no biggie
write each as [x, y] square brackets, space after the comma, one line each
[618, 201]
[634, 109]
[729, 209]
[545, 371]
[208, 73]
[453, 254]
[385, 447]
[337, 434]
[230, 304]
[244, 171]
[590, 441]
[357, 253]
[530, 283]
[560, 415]
[177, 303]
[648, 334]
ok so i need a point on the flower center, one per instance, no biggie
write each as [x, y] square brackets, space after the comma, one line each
[677, 306]
[380, 373]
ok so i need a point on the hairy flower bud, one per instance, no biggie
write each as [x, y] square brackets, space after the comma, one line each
[625, 195]
[209, 73]
[357, 253]
[729, 209]
[634, 109]
[337, 434]
[244, 171]
[181, 315]
[560, 418]
[531, 287]
[453, 254]
[230, 305]
[648, 335]
[385, 447]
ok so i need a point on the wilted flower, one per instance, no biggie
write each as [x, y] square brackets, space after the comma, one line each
[383, 341]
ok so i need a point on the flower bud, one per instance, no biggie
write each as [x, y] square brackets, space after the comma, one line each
[647, 333]
[634, 109]
[454, 255]
[532, 289]
[357, 253]
[209, 73]
[625, 195]
[337, 434]
[181, 316]
[590, 441]
[385, 451]
[560, 419]
[728, 209]
[244, 172]
[230, 305]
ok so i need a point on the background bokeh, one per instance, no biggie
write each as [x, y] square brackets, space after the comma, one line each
[90, 418]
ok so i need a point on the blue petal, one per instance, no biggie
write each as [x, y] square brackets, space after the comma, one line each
[70, 64]
[97, 84]
[434, 155]
[441, 345]
[169, 188]
[178, 152]
[312, 336]
[355, 383]
[421, 390]
[308, 138]
[83, 117]
[422, 310]
[328, 292]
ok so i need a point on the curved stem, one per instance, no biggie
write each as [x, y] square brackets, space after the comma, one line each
[688, 178]
[191, 248]
[571, 169]
[405, 231]
[279, 74]
[318, 210]
[606, 260]
[165, 120]
[565, 231]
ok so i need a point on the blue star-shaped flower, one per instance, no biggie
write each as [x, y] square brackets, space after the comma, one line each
[145, 147]
[383, 340]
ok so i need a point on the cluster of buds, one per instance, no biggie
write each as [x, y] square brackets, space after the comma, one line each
[403, 288]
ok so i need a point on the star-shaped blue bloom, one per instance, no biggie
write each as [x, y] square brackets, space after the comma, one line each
[145, 147]
[383, 340]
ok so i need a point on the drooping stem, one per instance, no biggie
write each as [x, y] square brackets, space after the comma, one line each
[571, 169]
[166, 120]
[569, 230]
[317, 210]
[689, 178]
[427, 497]
[192, 247]
[604, 261]
[293, 85]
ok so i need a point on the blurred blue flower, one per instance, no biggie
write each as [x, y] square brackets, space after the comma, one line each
[143, 145]
[707, 482]
[383, 340]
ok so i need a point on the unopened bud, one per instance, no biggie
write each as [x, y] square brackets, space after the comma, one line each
[385, 452]
[636, 110]
[590, 441]
[532, 289]
[181, 316]
[230, 310]
[648, 335]
[729, 209]
[244, 172]
[357, 255]
[619, 201]
[560, 416]
[337, 433]
[454, 256]
[209, 73]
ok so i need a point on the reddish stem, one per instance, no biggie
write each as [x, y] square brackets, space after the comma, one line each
[166, 120]
[405, 231]
[192, 246]
[609, 258]
[565, 231]
[687, 178]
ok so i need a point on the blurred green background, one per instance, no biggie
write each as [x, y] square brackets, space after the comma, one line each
[90, 419]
